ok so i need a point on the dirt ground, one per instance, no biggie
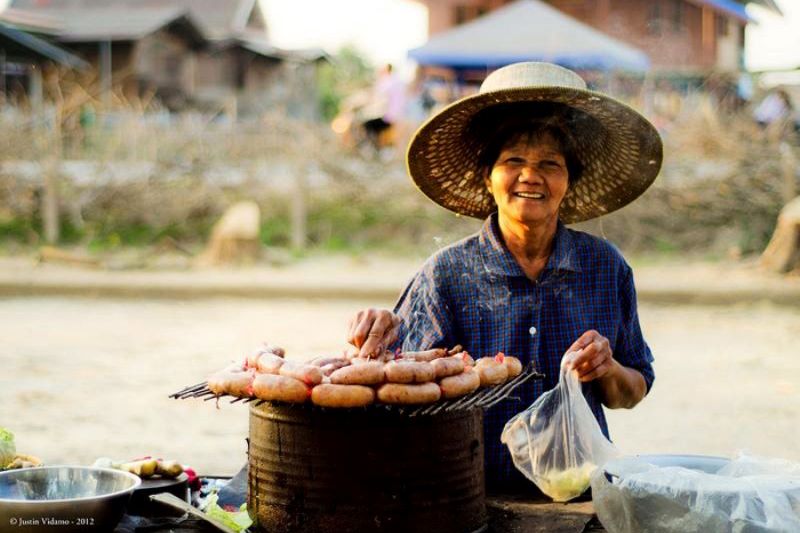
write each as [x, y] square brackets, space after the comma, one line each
[86, 378]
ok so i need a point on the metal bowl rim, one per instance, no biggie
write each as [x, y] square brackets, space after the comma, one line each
[137, 481]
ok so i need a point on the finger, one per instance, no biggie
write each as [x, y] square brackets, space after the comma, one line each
[595, 373]
[351, 335]
[372, 346]
[586, 354]
[351, 328]
[582, 342]
[363, 328]
[384, 323]
[590, 365]
[600, 364]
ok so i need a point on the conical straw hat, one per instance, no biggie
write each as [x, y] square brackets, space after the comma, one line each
[619, 149]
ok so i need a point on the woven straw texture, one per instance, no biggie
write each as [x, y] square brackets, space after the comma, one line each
[620, 150]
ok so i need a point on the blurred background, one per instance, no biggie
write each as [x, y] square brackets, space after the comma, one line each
[182, 180]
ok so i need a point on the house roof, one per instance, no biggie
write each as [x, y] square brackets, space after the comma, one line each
[18, 44]
[264, 48]
[216, 18]
[528, 30]
[117, 24]
[29, 21]
[769, 4]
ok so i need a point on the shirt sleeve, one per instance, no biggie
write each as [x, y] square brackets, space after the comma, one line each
[631, 350]
[426, 319]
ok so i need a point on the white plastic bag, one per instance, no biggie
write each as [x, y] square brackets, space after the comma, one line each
[748, 495]
[557, 442]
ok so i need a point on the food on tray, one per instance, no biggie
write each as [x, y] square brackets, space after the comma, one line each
[280, 388]
[8, 448]
[331, 395]
[513, 365]
[406, 378]
[325, 361]
[233, 381]
[309, 374]
[22, 460]
[427, 355]
[367, 373]
[460, 384]
[492, 370]
[332, 367]
[266, 362]
[276, 350]
[9, 458]
[408, 394]
[145, 468]
[448, 366]
[409, 371]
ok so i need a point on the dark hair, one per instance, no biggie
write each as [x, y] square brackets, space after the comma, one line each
[512, 122]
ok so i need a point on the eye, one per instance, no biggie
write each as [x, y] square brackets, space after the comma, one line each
[514, 160]
[551, 163]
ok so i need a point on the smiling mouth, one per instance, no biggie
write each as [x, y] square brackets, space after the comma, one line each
[530, 195]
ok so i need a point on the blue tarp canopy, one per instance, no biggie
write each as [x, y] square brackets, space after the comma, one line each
[728, 6]
[528, 30]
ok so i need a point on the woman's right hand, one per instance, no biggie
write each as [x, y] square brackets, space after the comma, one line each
[373, 330]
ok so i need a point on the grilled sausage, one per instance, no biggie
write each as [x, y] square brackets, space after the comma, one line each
[406, 371]
[342, 395]
[276, 350]
[397, 393]
[309, 374]
[491, 371]
[366, 373]
[448, 366]
[234, 382]
[268, 363]
[455, 349]
[460, 384]
[279, 388]
[324, 361]
[427, 355]
[330, 368]
[513, 365]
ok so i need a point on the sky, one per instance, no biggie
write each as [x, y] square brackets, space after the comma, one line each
[384, 30]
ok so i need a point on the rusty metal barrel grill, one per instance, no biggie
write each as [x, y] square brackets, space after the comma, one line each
[360, 470]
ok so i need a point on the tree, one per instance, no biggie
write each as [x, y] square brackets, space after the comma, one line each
[347, 72]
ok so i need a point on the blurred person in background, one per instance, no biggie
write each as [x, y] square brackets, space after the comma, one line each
[386, 108]
[775, 111]
[532, 151]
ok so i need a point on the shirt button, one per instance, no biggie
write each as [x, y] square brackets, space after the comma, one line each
[532, 331]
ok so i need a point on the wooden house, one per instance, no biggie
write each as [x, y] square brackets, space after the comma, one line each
[25, 59]
[206, 54]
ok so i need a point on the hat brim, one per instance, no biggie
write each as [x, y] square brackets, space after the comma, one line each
[620, 150]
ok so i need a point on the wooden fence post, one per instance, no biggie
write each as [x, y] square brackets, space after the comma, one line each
[789, 171]
[299, 209]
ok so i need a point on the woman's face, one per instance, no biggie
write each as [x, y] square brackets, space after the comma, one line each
[529, 179]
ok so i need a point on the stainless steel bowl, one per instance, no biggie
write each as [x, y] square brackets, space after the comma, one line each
[64, 498]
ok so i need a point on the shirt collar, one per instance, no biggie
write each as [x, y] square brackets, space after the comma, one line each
[497, 259]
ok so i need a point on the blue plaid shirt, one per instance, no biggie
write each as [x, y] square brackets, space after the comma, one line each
[474, 293]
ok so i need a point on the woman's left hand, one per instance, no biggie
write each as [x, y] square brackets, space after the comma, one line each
[594, 359]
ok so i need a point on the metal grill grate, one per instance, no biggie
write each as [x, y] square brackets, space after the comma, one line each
[483, 398]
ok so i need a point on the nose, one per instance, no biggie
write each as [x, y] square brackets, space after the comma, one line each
[528, 174]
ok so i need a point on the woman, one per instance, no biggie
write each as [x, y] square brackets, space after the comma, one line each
[532, 151]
